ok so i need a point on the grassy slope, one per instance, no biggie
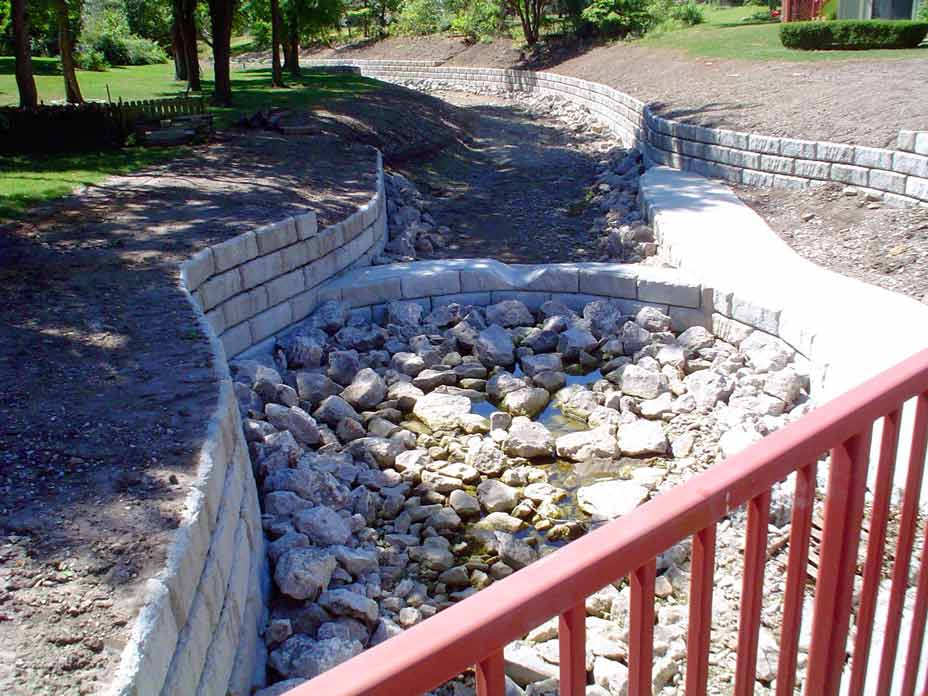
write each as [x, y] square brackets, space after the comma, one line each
[724, 35]
[27, 180]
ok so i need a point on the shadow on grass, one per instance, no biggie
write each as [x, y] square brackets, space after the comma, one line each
[40, 66]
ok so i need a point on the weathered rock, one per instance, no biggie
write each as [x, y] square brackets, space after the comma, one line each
[464, 504]
[330, 316]
[784, 384]
[485, 457]
[514, 552]
[343, 366]
[576, 339]
[494, 347]
[708, 387]
[533, 364]
[305, 351]
[496, 496]
[333, 409]
[526, 402]
[404, 313]
[342, 602]
[652, 319]
[357, 561]
[695, 338]
[441, 411]
[322, 525]
[528, 439]
[427, 380]
[313, 387]
[303, 573]
[524, 664]
[642, 437]
[366, 390]
[301, 656]
[610, 499]
[637, 381]
[509, 313]
[582, 445]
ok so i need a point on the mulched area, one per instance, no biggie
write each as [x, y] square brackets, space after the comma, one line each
[108, 383]
[860, 101]
[850, 234]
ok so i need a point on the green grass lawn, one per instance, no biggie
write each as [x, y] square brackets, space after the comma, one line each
[725, 35]
[27, 180]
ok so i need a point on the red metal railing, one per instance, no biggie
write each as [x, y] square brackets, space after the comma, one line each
[474, 632]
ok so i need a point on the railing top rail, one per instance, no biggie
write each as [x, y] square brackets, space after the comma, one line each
[445, 645]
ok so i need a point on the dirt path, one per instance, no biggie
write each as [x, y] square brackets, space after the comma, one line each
[855, 101]
[516, 191]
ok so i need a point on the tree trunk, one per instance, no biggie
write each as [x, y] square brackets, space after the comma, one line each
[28, 96]
[277, 75]
[177, 41]
[292, 54]
[220, 12]
[72, 89]
[188, 33]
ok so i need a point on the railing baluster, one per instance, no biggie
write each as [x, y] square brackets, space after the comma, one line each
[834, 586]
[904, 544]
[917, 633]
[641, 630]
[700, 627]
[491, 675]
[889, 441]
[797, 566]
[752, 593]
[572, 644]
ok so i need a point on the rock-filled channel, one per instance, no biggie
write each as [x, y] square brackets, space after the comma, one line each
[407, 459]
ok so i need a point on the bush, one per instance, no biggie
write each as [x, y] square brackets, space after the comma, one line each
[90, 59]
[853, 34]
[478, 20]
[689, 14]
[127, 50]
[260, 32]
[923, 12]
[618, 17]
[421, 17]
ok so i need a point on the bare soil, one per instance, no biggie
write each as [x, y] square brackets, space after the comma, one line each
[849, 234]
[865, 102]
[108, 383]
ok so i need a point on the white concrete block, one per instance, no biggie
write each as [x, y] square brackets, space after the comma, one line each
[234, 252]
[776, 165]
[845, 173]
[236, 339]
[917, 188]
[286, 286]
[270, 321]
[886, 181]
[306, 225]
[262, 269]
[799, 149]
[480, 299]
[276, 236]
[909, 163]
[835, 152]
[532, 300]
[219, 288]
[766, 144]
[245, 305]
[682, 318]
[198, 268]
[873, 157]
[812, 169]
[609, 279]
[668, 286]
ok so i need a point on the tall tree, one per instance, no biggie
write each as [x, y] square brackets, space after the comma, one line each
[66, 48]
[221, 13]
[277, 75]
[184, 37]
[28, 95]
[292, 44]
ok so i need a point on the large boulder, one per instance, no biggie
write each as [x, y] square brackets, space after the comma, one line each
[708, 387]
[323, 526]
[496, 496]
[509, 313]
[528, 439]
[441, 411]
[494, 347]
[596, 443]
[304, 573]
[366, 390]
[607, 500]
[302, 656]
[526, 402]
[642, 437]
[637, 381]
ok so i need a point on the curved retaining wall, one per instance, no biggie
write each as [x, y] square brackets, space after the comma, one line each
[198, 631]
[747, 158]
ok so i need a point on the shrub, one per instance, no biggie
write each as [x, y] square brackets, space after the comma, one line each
[90, 59]
[689, 14]
[853, 34]
[260, 31]
[127, 50]
[421, 17]
[478, 19]
[618, 17]
[923, 12]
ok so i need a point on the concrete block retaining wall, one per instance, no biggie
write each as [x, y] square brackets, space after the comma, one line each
[901, 176]
[198, 631]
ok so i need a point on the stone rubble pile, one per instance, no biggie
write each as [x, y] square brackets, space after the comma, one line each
[412, 229]
[409, 458]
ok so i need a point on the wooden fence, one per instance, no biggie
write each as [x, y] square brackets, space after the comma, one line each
[62, 127]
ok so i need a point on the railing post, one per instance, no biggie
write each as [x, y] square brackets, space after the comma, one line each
[641, 630]
[834, 586]
[700, 627]
[572, 644]
[800, 530]
[904, 543]
[752, 592]
[491, 675]
[873, 566]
